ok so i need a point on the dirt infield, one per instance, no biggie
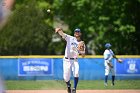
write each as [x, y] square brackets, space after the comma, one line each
[78, 91]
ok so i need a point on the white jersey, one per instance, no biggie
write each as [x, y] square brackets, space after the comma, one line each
[108, 55]
[71, 50]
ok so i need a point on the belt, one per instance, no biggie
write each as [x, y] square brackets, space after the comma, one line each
[70, 58]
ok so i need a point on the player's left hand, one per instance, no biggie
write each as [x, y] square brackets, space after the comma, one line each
[120, 61]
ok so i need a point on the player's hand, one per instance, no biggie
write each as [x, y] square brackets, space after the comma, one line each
[110, 65]
[58, 29]
[120, 61]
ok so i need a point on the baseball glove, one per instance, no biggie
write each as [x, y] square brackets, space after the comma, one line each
[81, 46]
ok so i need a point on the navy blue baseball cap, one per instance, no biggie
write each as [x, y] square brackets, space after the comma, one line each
[107, 45]
[77, 30]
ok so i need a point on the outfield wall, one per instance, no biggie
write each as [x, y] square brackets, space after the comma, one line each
[51, 67]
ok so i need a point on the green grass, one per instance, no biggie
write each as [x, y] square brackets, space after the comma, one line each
[57, 84]
[34, 85]
[119, 84]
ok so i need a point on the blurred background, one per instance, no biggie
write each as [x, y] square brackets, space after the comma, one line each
[26, 28]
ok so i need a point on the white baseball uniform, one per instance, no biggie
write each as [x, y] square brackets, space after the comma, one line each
[108, 56]
[70, 61]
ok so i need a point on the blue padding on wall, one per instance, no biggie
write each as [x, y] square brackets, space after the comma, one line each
[58, 68]
[90, 69]
[8, 68]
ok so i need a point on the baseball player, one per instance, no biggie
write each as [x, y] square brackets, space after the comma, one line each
[2, 87]
[108, 56]
[5, 11]
[74, 47]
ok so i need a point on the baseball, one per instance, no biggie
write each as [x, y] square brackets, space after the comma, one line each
[48, 10]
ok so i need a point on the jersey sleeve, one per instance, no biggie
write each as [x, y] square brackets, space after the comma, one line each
[66, 37]
[111, 52]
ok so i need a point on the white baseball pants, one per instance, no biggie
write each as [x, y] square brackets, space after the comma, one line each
[68, 66]
[108, 69]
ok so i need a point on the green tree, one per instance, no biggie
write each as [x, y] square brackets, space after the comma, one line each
[104, 21]
[29, 30]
